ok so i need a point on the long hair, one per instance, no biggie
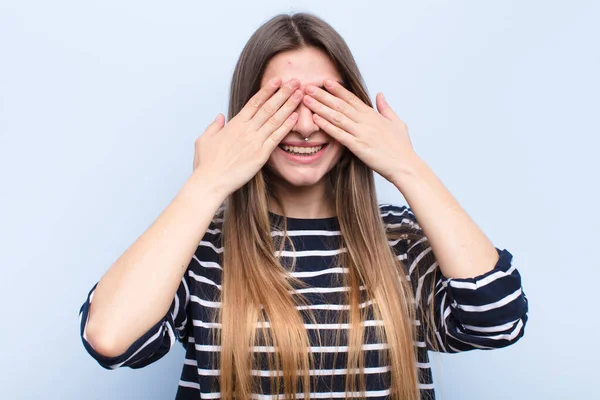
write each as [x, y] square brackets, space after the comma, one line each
[253, 313]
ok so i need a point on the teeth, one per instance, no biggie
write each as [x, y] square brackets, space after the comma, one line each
[302, 150]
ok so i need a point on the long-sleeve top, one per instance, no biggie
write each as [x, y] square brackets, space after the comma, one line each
[483, 312]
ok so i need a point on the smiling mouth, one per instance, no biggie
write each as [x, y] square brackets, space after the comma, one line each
[303, 150]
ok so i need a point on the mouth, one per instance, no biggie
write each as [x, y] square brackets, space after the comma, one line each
[303, 154]
[302, 151]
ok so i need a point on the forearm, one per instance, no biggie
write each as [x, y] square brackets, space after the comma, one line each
[461, 248]
[138, 289]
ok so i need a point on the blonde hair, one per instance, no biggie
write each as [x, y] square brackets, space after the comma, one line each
[249, 258]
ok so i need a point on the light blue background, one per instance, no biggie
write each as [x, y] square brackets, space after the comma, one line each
[100, 104]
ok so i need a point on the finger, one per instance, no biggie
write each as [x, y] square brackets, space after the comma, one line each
[275, 121]
[335, 132]
[273, 104]
[273, 140]
[257, 101]
[338, 90]
[384, 108]
[216, 125]
[335, 117]
[333, 102]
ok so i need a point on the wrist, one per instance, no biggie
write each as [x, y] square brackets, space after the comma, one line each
[409, 169]
[204, 188]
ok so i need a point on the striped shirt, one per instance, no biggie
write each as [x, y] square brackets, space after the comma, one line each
[485, 312]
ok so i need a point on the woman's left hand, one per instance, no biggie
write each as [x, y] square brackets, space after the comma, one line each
[379, 139]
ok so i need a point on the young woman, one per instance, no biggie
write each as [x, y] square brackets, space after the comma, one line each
[275, 266]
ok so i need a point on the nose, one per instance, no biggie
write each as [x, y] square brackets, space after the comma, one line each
[305, 125]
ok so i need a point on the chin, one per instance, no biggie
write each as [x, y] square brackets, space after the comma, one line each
[295, 177]
[300, 180]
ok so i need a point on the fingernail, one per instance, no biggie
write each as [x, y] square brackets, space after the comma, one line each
[275, 81]
[294, 83]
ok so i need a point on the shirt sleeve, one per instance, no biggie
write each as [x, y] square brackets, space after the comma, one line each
[486, 312]
[153, 344]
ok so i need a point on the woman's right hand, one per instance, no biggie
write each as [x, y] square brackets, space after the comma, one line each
[230, 155]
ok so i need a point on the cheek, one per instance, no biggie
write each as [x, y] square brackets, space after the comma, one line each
[337, 152]
[273, 157]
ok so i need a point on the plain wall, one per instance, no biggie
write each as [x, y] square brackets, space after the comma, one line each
[100, 104]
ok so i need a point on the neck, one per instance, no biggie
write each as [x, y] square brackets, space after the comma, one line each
[303, 201]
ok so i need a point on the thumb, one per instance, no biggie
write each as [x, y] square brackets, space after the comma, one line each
[384, 108]
[217, 124]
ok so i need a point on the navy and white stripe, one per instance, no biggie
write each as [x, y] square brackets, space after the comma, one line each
[485, 312]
